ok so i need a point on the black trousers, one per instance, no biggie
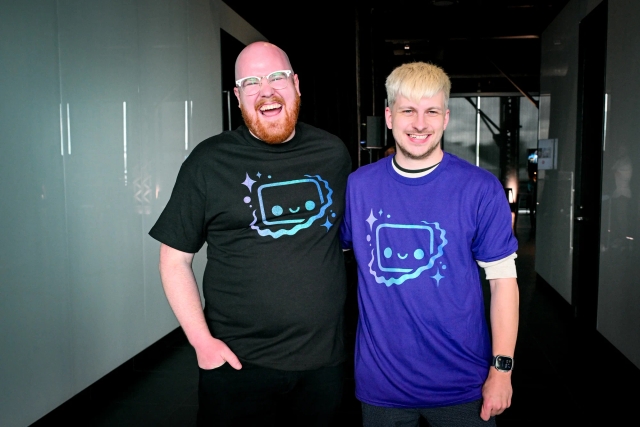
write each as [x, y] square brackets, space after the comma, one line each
[463, 415]
[257, 396]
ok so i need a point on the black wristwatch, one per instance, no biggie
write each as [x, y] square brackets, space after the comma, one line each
[502, 363]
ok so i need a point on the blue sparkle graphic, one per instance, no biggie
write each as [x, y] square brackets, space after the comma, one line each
[258, 174]
[380, 213]
[248, 182]
[438, 276]
[371, 219]
[327, 224]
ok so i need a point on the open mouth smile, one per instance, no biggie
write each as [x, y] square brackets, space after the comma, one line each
[272, 109]
[418, 137]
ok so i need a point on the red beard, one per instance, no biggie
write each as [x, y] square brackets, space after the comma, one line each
[273, 132]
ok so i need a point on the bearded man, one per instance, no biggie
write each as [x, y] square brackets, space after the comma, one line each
[268, 199]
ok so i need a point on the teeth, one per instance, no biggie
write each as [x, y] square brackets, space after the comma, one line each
[270, 107]
[418, 136]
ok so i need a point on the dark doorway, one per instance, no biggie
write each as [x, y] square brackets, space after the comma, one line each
[588, 185]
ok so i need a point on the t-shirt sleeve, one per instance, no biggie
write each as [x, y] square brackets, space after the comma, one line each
[494, 238]
[182, 222]
[345, 227]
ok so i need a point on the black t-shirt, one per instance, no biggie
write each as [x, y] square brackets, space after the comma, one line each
[275, 281]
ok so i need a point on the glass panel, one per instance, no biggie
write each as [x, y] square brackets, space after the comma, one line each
[618, 292]
[36, 360]
[460, 136]
[489, 148]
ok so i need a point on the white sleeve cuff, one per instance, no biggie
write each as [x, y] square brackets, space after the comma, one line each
[504, 268]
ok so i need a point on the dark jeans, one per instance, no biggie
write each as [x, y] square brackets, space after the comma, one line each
[463, 415]
[257, 396]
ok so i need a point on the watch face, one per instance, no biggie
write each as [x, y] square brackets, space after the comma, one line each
[504, 363]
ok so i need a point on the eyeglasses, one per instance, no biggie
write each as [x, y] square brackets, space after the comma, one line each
[277, 80]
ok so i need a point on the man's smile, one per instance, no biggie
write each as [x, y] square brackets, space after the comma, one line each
[270, 109]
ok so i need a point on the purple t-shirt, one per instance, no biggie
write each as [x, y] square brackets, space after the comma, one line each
[422, 337]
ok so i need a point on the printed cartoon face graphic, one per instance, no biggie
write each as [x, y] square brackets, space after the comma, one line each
[290, 202]
[397, 254]
[400, 252]
[283, 208]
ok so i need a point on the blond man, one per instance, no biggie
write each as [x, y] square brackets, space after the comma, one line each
[420, 222]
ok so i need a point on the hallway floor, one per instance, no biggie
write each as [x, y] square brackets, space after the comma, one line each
[563, 376]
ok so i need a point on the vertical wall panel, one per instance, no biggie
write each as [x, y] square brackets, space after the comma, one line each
[98, 74]
[489, 145]
[460, 136]
[619, 293]
[164, 96]
[35, 367]
[559, 83]
[94, 132]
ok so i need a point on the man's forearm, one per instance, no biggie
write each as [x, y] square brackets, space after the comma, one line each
[182, 292]
[504, 315]
[497, 390]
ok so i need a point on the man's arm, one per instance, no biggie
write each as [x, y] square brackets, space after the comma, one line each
[182, 292]
[497, 391]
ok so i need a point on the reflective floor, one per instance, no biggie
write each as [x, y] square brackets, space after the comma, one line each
[562, 376]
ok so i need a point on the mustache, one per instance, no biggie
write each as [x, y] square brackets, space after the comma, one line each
[274, 98]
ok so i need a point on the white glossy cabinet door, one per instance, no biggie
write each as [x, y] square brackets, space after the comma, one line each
[165, 137]
[99, 76]
[97, 116]
[35, 367]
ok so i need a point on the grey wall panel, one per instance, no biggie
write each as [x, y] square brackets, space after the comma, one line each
[619, 293]
[34, 290]
[559, 84]
[99, 73]
[489, 148]
[164, 96]
[102, 102]
[460, 136]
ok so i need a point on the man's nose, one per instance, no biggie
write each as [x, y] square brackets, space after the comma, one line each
[419, 123]
[265, 88]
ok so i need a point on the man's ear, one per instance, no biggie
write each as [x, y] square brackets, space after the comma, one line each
[237, 93]
[446, 120]
[296, 84]
[387, 117]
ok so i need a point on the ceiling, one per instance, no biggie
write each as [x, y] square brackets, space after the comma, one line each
[487, 46]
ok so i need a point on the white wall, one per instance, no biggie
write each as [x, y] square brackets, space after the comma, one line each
[79, 189]
[619, 282]
[559, 89]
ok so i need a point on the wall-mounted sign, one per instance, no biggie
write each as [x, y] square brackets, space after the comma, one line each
[547, 153]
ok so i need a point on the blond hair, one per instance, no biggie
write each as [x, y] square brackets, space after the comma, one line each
[417, 80]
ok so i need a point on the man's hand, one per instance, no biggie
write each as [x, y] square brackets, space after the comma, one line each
[496, 394]
[184, 298]
[213, 353]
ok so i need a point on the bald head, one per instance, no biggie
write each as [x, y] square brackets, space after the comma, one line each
[260, 59]
[271, 113]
